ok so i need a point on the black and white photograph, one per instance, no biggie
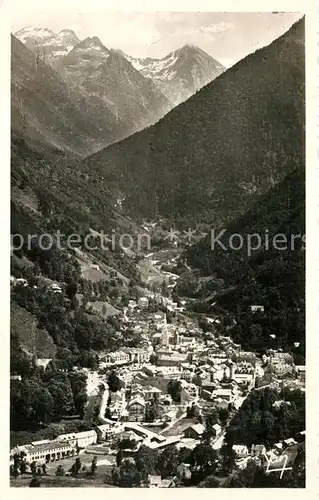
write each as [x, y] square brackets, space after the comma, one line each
[157, 274]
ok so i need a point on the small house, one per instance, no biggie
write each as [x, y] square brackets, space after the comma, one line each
[241, 450]
[104, 432]
[256, 308]
[136, 409]
[216, 430]
[194, 431]
[289, 442]
[184, 471]
[154, 481]
[257, 450]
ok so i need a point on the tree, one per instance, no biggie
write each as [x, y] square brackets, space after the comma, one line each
[127, 444]
[223, 414]
[93, 466]
[151, 412]
[76, 467]
[197, 381]
[114, 382]
[228, 456]
[192, 411]
[16, 465]
[174, 389]
[107, 413]
[145, 459]
[80, 401]
[35, 483]
[44, 405]
[209, 482]
[167, 462]
[259, 421]
[13, 472]
[128, 476]
[71, 289]
[62, 395]
[203, 461]
[33, 468]
[119, 457]
[59, 471]
[64, 359]
[23, 463]
[153, 359]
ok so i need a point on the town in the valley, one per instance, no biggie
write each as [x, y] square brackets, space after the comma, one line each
[179, 390]
[157, 271]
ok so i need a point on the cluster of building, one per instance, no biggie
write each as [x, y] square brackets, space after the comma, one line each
[65, 445]
[210, 373]
[215, 373]
[50, 285]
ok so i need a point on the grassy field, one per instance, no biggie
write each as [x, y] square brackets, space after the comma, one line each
[102, 474]
[62, 482]
[34, 340]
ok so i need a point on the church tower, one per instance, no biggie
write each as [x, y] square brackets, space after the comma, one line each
[176, 338]
[165, 338]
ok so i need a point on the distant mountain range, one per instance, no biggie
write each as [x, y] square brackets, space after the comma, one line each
[177, 76]
[92, 99]
[181, 73]
[107, 79]
[49, 45]
[211, 156]
[45, 111]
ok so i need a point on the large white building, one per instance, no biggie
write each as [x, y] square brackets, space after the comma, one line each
[80, 439]
[45, 451]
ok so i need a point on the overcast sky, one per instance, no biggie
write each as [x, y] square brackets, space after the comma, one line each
[226, 36]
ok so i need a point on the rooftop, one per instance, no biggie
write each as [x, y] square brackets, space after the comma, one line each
[46, 447]
[198, 428]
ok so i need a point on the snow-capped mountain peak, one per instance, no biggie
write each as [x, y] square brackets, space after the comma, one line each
[181, 73]
[35, 33]
[51, 46]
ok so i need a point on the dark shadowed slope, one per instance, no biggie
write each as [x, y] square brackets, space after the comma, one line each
[272, 275]
[45, 110]
[110, 82]
[233, 140]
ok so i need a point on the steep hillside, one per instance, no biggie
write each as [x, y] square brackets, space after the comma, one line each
[272, 274]
[32, 339]
[181, 73]
[51, 192]
[106, 77]
[209, 157]
[52, 199]
[46, 112]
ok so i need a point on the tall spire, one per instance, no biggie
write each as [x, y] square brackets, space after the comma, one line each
[165, 332]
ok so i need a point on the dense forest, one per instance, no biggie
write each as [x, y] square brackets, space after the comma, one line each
[49, 194]
[209, 469]
[268, 276]
[261, 421]
[46, 395]
[209, 158]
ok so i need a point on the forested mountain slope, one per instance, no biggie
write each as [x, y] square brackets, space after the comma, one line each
[212, 155]
[271, 275]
